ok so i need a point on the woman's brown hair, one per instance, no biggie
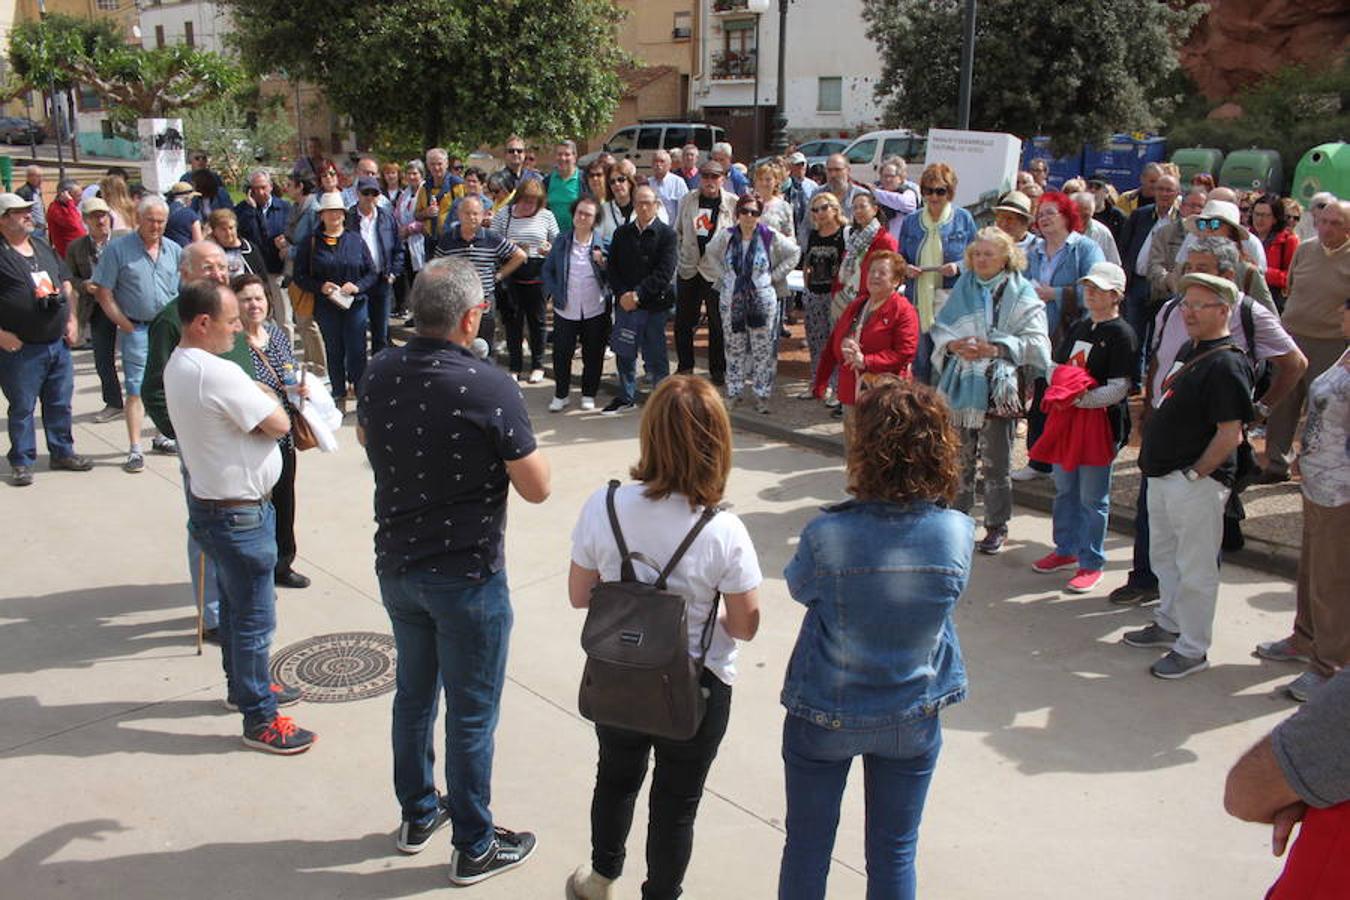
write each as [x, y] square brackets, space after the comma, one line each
[904, 446]
[530, 187]
[685, 442]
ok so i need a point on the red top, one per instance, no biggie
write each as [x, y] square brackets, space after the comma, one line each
[1279, 256]
[883, 241]
[1318, 867]
[64, 225]
[889, 340]
[1072, 436]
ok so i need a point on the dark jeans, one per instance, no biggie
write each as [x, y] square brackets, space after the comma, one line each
[31, 373]
[898, 764]
[402, 284]
[344, 340]
[283, 498]
[1137, 313]
[487, 329]
[655, 358]
[242, 542]
[592, 333]
[526, 320]
[451, 633]
[692, 296]
[677, 786]
[1141, 571]
[377, 306]
[104, 336]
[1036, 423]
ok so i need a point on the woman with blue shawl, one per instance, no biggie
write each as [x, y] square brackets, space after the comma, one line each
[992, 325]
[754, 259]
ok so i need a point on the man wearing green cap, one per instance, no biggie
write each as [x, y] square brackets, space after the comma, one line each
[1189, 458]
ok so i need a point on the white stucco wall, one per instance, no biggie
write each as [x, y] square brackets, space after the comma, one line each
[210, 24]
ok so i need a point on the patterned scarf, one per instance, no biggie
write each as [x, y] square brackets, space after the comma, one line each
[850, 270]
[749, 262]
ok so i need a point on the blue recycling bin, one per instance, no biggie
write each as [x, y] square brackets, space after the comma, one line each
[1121, 161]
[1062, 168]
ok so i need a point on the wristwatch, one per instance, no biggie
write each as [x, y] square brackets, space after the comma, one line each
[1191, 475]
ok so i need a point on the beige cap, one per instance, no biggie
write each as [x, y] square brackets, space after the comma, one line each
[1225, 289]
[331, 200]
[13, 201]
[94, 205]
[1106, 275]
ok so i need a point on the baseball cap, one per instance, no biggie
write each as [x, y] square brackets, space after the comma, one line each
[93, 205]
[797, 159]
[1106, 275]
[13, 201]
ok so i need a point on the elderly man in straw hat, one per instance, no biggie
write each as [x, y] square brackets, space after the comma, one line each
[1013, 217]
[1189, 458]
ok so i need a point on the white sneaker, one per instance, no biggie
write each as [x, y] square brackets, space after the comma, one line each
[587, 403]
[1027, 473]
[536, 376]
[609, 353]
[558, 404]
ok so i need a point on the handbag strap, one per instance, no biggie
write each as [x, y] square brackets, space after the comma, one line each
[1171, 379]
[262, 355]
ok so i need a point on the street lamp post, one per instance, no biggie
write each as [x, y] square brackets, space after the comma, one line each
[780, 141]
[759, 8]
[967, 67]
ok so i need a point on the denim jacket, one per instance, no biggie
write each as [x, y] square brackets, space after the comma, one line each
[557, 264]
[878, 646]
[956, 234]
[1080, 253]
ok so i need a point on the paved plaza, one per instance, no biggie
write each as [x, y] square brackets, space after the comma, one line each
[1070, 772]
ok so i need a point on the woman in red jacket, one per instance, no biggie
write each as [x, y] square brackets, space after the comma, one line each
[1272, 228]
[878, 333]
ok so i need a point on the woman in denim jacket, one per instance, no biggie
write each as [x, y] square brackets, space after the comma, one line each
[877, 657]
[933, 240]
[581, 304]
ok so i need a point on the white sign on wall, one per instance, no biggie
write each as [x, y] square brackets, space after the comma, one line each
[163, 152]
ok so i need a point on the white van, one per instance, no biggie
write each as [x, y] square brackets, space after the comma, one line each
[866, 153]
[637, 142]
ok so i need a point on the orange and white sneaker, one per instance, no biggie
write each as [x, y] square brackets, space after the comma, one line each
[281, 735]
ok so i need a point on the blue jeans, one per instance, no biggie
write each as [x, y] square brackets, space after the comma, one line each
[655, 360]
[377, 303]
[242, 542]
[922, 368]
[898, 764]
[451, 633]
[33, 372]
[344, 341]
[1082, 505]
[201, 570]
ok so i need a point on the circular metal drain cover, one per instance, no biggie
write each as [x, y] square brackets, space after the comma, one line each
[338, 668]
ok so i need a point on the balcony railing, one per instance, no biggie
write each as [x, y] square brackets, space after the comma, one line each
[730, 6]
[728, 64]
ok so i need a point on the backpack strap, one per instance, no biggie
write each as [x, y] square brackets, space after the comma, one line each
[1248, 325]
[703, 520]
[626, 570]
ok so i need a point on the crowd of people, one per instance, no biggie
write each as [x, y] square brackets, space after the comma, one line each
[938, 342]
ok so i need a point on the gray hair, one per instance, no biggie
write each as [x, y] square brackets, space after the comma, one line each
[444, 292]
[1223, 249]
[438, 153]
[570, 145]
[1152, 168]
[661, 154]
[720, 147]
[67, 184]
[416, 166]
[1084, 199]
[31, 169]
[149, 202]
[258, 173]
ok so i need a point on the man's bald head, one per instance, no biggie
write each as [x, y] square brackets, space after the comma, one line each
[204, 259]
[1227, 195]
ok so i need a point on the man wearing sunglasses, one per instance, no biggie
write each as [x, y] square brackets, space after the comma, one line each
[379, 231]
[513, 162]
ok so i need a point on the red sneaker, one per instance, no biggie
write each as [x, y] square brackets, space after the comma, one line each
[1053, 562]
[281, 735]
[1083, 581]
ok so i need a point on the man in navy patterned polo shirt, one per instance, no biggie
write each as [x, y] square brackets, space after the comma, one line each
[447, 435]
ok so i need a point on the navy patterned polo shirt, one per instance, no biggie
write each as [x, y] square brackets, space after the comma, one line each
[440, 424]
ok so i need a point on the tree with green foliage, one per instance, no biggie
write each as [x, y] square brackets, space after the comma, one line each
[461, 70]
[59, 52]
[238, 133]
[1076, 72]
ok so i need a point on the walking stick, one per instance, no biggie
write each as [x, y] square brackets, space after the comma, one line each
[201, 596]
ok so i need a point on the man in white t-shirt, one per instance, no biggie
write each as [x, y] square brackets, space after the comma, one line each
[227, 427]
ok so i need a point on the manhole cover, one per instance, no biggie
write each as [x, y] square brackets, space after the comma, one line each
[338, 668]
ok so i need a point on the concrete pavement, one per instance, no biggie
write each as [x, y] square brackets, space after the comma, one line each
[1069, 771]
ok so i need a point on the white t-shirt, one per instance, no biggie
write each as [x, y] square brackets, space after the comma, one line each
[722, 558]
[214, 407]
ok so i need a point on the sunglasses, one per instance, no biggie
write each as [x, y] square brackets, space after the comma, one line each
[821, 208]
[619, 179]
[939, 191]
[515, 149]
[370, 193]
[595, 174]
[749, 211]
[1210, 224]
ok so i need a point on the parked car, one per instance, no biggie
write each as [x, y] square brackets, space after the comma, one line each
[816, 152]
[637, 142]
[866, 153]
[17, 130]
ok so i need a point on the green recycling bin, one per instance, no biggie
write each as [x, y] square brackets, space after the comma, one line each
[7, 172]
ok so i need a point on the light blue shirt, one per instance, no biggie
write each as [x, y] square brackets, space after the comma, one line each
[141, 286]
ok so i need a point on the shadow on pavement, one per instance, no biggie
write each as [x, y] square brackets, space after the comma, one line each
[47, 723]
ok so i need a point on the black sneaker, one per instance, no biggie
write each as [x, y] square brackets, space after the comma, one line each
[286, 696]
[289, 578]
[618, 406]
[413, 838]
[211, 636]
[281, 735]
[1154, 635]
[508, 850]
[1132, 595]
[993, 540]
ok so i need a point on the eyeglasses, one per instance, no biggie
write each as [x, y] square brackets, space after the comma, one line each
[619, 179]
[515, 149]
[1293, 218]
[749, 211]
[595, 174]
[939, 191]
[1188, 306]
[1244, 209]
[370, 193]
[1209, 224]
[457, 168]
[821, 208]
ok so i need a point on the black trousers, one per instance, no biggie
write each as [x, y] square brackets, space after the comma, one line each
[592, 333]
[526, 320]
[1036, 422]
[283, 499]
[677, 786]
[104, 335]
[691, 295]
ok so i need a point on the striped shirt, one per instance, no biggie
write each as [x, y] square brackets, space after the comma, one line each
[487, 252]
[527, 232]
